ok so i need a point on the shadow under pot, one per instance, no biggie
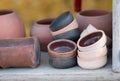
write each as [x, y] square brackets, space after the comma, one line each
[11, 26]
[92, 41]
[62, 53]
[101, 19]
[61, 21]
[20, 52]
[41, 30]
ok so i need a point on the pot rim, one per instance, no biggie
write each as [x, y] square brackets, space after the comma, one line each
[102, 15]
[5, 12]
[60, 40]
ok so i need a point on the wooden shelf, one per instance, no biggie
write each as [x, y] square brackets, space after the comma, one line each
[47, 73]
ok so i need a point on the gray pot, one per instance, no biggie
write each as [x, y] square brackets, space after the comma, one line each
[62, 63]
[61, 21]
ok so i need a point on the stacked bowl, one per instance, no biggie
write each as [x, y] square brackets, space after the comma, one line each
[92, 50]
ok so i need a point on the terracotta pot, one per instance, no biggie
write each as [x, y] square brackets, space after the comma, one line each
[41, 30]
[62, 63]
[93, 53]
[11, 25]
[101, 19]
[65, 27]
[19, 52]
[62, 48]
[92, 63]
[61, 21]
[92, 41]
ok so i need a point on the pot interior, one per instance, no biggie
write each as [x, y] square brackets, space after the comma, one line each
[62, 47]
[45, 21]
[90, 39]
[16, 42]
[94, 13]
[4, 12]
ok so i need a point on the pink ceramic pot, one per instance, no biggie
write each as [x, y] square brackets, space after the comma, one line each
[11, 25]
[41, 30]
[101, 19]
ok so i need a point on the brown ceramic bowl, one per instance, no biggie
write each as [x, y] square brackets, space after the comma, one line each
[62, 48]
[101, 19]
[19, 52]
[92, 41]
[41, 30]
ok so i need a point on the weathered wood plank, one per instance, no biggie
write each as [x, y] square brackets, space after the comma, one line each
[116, 36]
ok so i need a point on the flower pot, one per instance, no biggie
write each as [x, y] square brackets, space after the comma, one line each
[65, 27]
[92, 41]
[11, 25]
[62, 63]
[19, 52]
[101, 19]
[62, 48]
[92, 63]
[41, 30]
[93, 53]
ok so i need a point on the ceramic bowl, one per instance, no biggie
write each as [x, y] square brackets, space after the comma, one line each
[19, 52]
[61, 21]
[41, 30]
[101, 19]
[92, 63]
[63, 63]
[93, 53]
[62, 48]
[73, 35]
[92, 41]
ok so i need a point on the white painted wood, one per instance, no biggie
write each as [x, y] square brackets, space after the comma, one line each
[47, 73]
[116, 36]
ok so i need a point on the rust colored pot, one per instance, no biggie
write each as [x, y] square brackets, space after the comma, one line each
[41, 30]
[20, 52]
[11, 25]
[101, 19]
[62, 48]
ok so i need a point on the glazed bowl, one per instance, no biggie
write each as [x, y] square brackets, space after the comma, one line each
[93, 53]
[41, 30]
[101, 19]
[62, 48]
[61, 21]
[19, 52]
[11, 25]
[92, 63]
[92, 41]
[62, 63]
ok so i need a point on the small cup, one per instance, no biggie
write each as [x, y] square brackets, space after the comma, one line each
[62, 63]
[92, 63]
[93, 54]
[62, 48]
[92, 41]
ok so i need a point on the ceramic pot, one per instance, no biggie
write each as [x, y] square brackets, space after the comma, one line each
[19, 52]
[92, 63]
[92, 41]
[61, 21]
[62, 63]
[11, 25]
[65, 27]
[101, 19]
[62, 48]
[93, 53]
[41, 30]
